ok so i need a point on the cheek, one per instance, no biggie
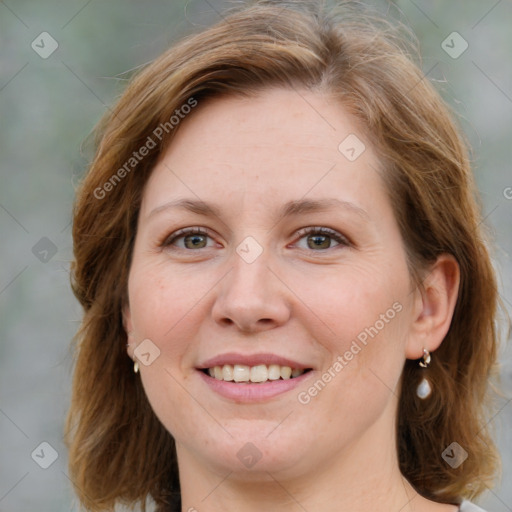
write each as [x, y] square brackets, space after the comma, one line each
[363, 329]
[365, 363]
[162, 307]
[355, 302]
[163, 302]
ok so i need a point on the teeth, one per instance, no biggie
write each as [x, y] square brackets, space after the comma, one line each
[227, 372]
[286, 372]
[241, 373]
[259, 373]
[274, 372]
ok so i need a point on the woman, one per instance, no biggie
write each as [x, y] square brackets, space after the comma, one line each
[288, 300]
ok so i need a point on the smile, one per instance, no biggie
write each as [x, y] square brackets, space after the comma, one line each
[261, 373]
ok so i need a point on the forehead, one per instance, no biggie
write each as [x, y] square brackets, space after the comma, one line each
[271, 118]
[279, 145]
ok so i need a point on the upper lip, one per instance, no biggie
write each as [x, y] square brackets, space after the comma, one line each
[251, 360]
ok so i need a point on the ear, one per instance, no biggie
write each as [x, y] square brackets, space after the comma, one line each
[433, 306]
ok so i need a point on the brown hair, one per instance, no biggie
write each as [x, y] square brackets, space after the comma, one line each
[118, 449]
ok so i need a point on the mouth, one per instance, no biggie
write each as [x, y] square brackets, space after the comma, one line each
[258, 374]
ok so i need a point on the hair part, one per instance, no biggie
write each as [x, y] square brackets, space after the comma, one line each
[119, 452]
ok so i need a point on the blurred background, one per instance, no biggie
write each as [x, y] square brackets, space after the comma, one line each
[62, 64]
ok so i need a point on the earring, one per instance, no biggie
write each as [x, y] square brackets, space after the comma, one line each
[135, 362]
[424, 389]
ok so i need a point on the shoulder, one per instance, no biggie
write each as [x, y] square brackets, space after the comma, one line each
[467, 506]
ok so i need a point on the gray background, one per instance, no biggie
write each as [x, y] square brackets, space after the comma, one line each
[49, 106]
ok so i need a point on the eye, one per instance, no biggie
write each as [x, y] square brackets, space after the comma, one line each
[320, 238]
[317, 238]
[193, 238]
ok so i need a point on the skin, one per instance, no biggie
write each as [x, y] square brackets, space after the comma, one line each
[249, 156]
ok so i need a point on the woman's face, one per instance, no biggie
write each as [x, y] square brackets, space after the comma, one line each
[298, 263]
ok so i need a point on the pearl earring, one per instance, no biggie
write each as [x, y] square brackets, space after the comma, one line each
[135, 362]
[424, 389]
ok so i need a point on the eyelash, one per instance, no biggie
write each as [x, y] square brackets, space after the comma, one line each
[318, 230]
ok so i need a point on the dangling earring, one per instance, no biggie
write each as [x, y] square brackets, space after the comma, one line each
[424, 389]
[135, 362]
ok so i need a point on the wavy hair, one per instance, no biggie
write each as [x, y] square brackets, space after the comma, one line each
[119, 452]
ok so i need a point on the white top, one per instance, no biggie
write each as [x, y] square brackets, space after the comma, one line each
[467, 506]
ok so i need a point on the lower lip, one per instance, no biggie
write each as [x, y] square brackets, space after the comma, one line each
[242, 392]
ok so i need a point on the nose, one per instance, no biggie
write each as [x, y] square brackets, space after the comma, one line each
[252, 297]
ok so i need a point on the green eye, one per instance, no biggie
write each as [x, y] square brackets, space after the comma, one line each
[193, 238]
[320, 239]
[195, 241]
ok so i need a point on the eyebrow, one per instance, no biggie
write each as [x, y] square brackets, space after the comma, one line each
[289, 209]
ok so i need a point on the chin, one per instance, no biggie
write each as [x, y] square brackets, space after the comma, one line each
[252, 452]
